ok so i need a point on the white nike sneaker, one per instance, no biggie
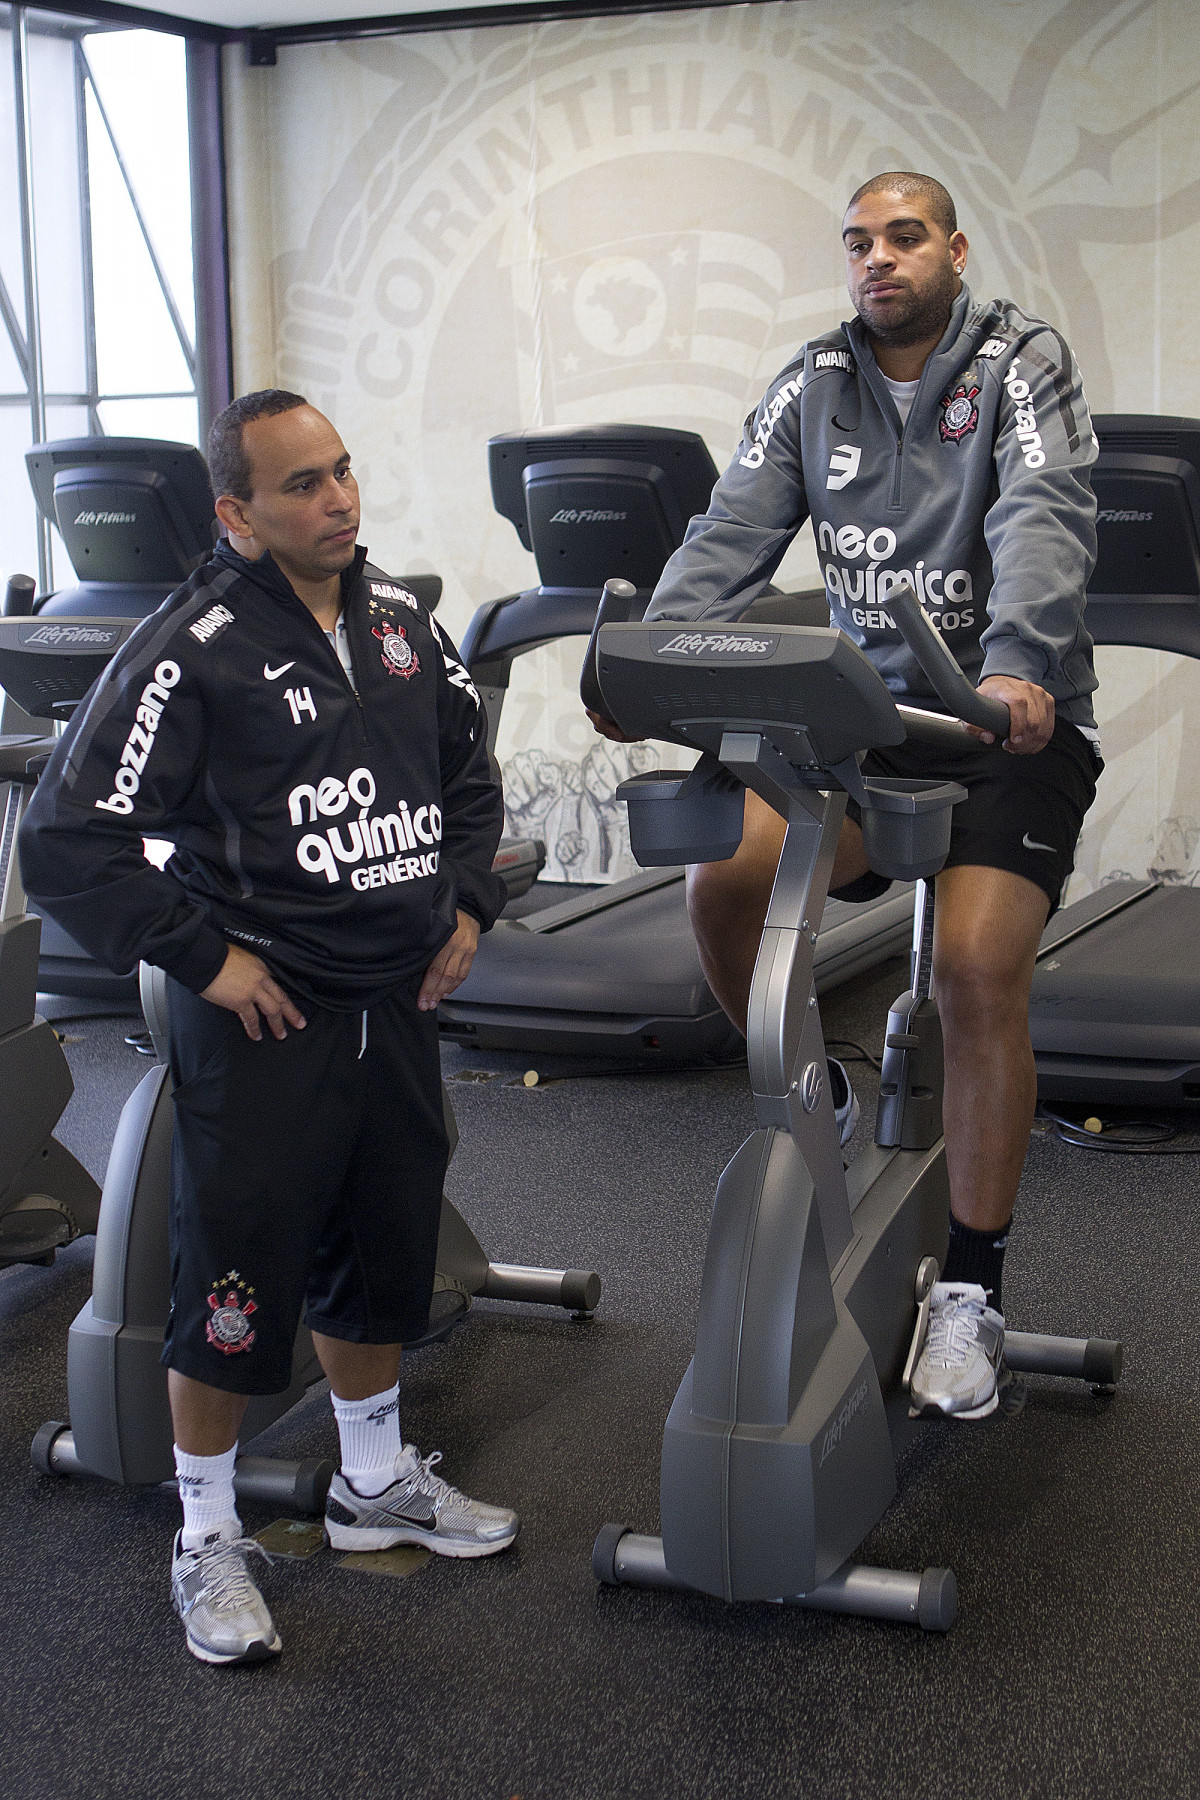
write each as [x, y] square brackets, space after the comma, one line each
[845, 1100]
[418, 1508]
[958, 1371]
[224, 1614]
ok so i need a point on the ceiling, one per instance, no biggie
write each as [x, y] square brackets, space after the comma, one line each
[300, 20]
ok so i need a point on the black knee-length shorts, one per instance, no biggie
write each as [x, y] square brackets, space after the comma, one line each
[1022, 813]
[306, 1178]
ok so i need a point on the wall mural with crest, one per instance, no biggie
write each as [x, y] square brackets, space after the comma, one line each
[444, 236]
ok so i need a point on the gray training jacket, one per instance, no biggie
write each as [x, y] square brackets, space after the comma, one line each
[982, 501]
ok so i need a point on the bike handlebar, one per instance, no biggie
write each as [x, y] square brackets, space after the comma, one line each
[940, 668]
[619, 603]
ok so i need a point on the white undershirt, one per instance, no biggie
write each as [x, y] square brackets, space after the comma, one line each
[903, 393]
[341, 643]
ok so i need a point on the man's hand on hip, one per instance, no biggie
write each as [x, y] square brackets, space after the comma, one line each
[246, 987]
[1030, 710]
[451, 965]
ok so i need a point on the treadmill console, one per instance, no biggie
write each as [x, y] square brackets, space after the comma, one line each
[134, 513]
[596, 501]
[1145, 588]
[48, 665]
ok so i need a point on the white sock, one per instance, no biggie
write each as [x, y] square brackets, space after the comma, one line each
[370, 1434]
[206, 1490]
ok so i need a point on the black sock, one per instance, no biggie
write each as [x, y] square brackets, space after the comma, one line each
[977, 1256]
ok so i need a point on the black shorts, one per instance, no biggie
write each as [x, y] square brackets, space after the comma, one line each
[1022, 813]
[305, 1177]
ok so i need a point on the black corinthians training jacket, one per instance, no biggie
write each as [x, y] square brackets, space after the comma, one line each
[332, 833]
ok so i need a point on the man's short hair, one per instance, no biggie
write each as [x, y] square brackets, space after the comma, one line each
[228, 463]
[913, 186]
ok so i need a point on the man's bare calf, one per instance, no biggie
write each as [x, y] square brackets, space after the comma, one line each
[988, 924]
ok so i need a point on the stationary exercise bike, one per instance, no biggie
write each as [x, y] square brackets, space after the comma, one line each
[120, 1419]
[779, 1454]
[47, 1198]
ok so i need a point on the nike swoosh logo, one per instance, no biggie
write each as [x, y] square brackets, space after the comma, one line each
[1026, 840]
[399, 1516]
[274, 674]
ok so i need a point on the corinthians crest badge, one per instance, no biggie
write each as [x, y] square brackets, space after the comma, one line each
[960, 414]
[396, 653]
[228, 1328]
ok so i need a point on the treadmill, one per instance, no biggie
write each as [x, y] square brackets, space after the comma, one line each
[1114, 1012]
[613, 971]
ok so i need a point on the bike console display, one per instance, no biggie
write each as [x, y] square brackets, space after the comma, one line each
[809, 691]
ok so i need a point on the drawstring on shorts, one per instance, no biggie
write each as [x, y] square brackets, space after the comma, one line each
[362, 1050]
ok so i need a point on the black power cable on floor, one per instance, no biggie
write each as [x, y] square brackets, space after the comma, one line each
[834, 1046]
[1124, 1137]
[533, 1078]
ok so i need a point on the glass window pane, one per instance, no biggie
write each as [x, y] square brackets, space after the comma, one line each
[175, 420]
[12, 381]
[67, 422]
[55, 156]
[137, 349]
[10, 203]
[18, 538]
[141, 78]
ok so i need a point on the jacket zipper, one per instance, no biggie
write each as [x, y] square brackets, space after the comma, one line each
[895, 499]
[332, 651]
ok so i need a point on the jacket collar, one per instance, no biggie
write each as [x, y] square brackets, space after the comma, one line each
[856, 331]
[267, 575]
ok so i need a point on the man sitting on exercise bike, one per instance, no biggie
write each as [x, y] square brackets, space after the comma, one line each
[306, 735]
[942, 442]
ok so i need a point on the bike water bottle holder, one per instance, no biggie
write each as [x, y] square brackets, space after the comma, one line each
[684, 815]
[906, 825]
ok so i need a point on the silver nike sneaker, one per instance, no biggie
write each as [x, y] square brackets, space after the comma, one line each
[418, 1508]
[958, 1370]
[845, 1100]
[224, 1614]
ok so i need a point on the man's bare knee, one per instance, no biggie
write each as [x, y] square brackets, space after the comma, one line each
[975, 995]
[730, 894]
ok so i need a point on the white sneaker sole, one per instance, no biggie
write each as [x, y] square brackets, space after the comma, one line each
[387, 1537]
[931, 1410]
[254, 1653]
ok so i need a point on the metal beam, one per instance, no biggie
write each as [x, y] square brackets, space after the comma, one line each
[472, 18]
[86, 266]
[210, 240]
[22, 112]
[464, 18]
[12, 325]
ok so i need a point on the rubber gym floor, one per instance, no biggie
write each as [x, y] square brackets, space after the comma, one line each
[1071, 1671]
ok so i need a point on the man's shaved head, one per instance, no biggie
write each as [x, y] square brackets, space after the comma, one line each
[913, 187]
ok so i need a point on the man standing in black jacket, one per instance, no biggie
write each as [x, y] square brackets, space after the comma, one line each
[302, 730]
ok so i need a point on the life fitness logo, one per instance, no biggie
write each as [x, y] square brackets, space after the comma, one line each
[374, 846]
[715, 643]
[140, 742]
